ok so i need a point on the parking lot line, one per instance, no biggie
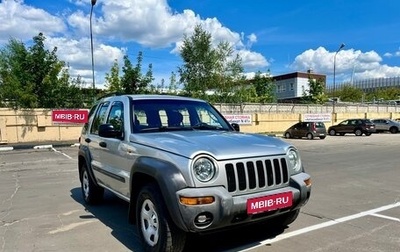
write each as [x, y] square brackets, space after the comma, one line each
[386, 217]
[324, 225]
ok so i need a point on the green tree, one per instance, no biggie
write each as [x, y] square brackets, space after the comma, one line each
[349, 93]
[316, 92]
[208, 68]
[199, 63]
[264, 88]
[113, 83]
[173, 85]
[228, 74]
[133, 81]
[44, 71]
[16, 90]
[33, 77]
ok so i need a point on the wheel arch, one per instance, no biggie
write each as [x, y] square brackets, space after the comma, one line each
[166, 176]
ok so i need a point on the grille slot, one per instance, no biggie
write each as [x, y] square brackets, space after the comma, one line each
[256, 174]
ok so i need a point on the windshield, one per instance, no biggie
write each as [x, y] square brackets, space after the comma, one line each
[154, 115]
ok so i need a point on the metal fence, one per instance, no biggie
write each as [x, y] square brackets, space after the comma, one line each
[305, 108]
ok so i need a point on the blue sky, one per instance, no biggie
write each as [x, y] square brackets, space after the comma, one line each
[280, 36]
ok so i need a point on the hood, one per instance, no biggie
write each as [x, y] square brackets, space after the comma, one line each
[220, 144]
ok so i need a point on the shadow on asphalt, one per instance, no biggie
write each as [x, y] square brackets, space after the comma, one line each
[113, 213]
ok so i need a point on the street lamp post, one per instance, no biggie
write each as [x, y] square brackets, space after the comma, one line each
[334, 77]
[91, 49]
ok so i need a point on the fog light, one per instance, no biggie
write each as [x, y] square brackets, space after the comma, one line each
[203, 220]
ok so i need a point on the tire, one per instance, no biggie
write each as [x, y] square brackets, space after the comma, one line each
[323, 137]
[393, 130]
[310, 136]
[155, 227]
[287, 135]
[358, 132]
[332, 132]
[368, 133]
[92, 193]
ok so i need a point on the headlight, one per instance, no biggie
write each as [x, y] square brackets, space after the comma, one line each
[294, 160]
[203, 169]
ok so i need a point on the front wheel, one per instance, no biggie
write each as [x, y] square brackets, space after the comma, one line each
[393, 130]
[358, 132]
[155, 227]
[332, 132]
[287, 135]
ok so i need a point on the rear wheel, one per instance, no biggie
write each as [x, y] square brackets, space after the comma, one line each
[92, 193]
[368, 133]
[322, 137]
[155, 227]
[358, 132]
[309, 136]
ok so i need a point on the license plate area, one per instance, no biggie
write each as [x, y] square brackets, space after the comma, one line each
[269, 203]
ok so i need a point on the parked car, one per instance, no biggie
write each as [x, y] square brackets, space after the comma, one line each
[353, 126]
[310, 130]
[183, 168]
[383, 125]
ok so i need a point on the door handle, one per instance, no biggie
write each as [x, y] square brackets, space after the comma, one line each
[103, 144]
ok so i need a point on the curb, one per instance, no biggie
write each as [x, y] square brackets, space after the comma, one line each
[37, 147]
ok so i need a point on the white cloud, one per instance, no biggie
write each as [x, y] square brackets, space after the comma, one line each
[23, 22]
[252, 60]
[153, 24]
[77, 54]
[363, 64]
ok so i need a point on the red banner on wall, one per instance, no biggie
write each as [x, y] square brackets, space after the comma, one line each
[70, 116]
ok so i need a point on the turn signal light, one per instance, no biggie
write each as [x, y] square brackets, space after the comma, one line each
[308, 182]
[196, 200]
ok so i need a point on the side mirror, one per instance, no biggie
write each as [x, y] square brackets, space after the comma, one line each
[236, 126]
[108, 131]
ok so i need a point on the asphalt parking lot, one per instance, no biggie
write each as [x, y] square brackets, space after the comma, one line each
[354, 206]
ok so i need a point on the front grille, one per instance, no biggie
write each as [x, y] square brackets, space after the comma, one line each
[256, 174]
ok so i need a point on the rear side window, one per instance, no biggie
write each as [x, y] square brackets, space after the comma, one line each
[319, 125]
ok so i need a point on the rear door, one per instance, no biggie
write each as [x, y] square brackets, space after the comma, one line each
[320, 128]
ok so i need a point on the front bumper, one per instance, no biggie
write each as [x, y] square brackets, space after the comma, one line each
[228, 210]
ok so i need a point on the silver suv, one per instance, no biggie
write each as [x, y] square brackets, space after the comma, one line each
[387, 125]
[183, 168]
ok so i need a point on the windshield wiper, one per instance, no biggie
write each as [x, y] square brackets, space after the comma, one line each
[205, 126]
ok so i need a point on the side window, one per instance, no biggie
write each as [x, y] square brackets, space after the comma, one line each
[116, 116]
[99, 118]
[86, 125]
